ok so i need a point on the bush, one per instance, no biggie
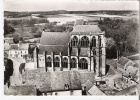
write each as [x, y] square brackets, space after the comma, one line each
[37, 34]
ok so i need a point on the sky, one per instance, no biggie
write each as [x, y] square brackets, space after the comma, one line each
[70, 5]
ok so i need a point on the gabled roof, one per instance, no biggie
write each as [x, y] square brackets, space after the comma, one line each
[122, 61]
[86, 29]
[55, 38]
[94, 90]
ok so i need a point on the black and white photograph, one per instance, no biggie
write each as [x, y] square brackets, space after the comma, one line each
[71, 48]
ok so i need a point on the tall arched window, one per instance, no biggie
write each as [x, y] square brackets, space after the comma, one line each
[93, 44]
[94, 61]
[65, 62]
[56, 62]
[83, 64]
[99, 40]
[73, 63]
[74, 41]
[94, 52]
[84, 41]
[48, 61]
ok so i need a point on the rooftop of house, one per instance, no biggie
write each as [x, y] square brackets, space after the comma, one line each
[21, 90]
[14, 46]
[135, 57]
[127, 91]
[123, 60]
[86, 29]
[94, 90]
[55, 81]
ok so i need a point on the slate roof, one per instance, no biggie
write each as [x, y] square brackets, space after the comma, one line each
[14, 46]
[54, 48]
[88, 85]
[123, 61]
[127, 91]
[21, 90]
[55, 81]
[94, 90]
[55, 38]
[136, 57]
[54, 42]
[86, 29]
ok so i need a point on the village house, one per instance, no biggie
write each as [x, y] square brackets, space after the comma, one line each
[83, 49]
[123, 63]
[18, 50]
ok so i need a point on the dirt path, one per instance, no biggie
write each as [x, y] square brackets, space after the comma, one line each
[15, 78]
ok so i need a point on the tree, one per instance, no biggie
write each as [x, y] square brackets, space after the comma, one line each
[16, 39]
[8, 29]
[8, 63]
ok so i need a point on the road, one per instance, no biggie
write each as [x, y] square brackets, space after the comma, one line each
[15, 78]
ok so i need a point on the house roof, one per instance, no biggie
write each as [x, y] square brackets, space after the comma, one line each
[23, 46]
[135, 57]
[55, 38]
[127, 91]
[88, 85]
[86, 29]
[53, 48]
[21, 90]
[94, 90]
[55, 81]
[123, 61]
[14, 46]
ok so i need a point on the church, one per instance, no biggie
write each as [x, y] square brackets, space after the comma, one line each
[83, 49]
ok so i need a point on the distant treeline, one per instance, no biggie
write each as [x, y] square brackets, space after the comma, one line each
[110, 12]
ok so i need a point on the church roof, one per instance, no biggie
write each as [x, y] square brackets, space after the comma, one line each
[82, 29]
[54, 48]
[54, 42]
[55, 38]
